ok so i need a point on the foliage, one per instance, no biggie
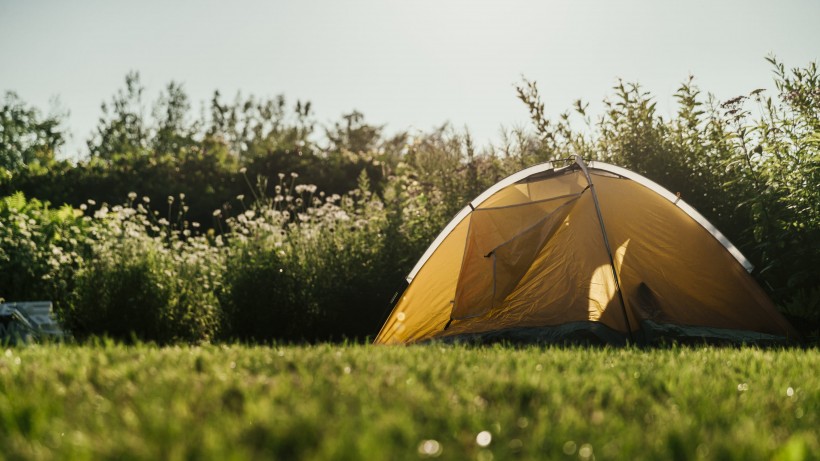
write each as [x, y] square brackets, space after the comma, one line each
[776, 164]
[305, 265]
[554, 140]
[121, 128]
[440, 402]
[27, 140]
[318, 258]
[40, 250]
[146, 278]
[171, 152]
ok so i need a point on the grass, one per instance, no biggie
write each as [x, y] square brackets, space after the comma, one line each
[364, 402]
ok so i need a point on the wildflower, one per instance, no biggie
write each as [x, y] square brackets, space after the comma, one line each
[217, 213]
[243, 170]
[281, 175]
[294, 175]
[240, 197]
[91, 202]
[132, 195]
[146, 199]
[170, 199]
[182, 196]
[101, 213]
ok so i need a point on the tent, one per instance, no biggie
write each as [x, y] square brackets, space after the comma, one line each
[594, 253]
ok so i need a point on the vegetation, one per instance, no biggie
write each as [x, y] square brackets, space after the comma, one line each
[445, 402]
[253, 223]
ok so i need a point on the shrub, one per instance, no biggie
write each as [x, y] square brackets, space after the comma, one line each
[260, 302]
[40, 249]
[307, 266]
[339, 253]
[146, 279]
[775, 167]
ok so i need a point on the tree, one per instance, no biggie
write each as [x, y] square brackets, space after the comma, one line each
[354, 135]
[26, 138]
[173, 132]
[121, 129]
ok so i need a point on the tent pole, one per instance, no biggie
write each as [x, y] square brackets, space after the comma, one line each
[583, 166]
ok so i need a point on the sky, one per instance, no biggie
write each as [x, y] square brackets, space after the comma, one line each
[405, 64]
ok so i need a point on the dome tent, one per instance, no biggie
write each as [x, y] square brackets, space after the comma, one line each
[596, 253]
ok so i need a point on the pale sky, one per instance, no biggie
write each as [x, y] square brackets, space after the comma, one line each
[407, 64]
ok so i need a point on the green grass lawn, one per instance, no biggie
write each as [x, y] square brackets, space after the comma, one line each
[365, 402]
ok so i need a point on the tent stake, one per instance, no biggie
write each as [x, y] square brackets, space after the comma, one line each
[583, 167]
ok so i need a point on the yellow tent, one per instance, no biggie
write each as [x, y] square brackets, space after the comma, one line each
[591, 252]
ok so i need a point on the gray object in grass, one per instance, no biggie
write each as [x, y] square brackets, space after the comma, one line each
[24, 322]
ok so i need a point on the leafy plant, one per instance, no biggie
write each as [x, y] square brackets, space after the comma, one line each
[27, 139]
[40, 250]
[303, 265]
[146, 278]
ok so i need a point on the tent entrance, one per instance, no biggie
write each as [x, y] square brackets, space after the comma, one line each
[502, 244]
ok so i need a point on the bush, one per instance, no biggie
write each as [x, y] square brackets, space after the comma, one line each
[147, 280]
[307, 266]
[40, 249]
[775, 167]
[339, 255]
[260, 302]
